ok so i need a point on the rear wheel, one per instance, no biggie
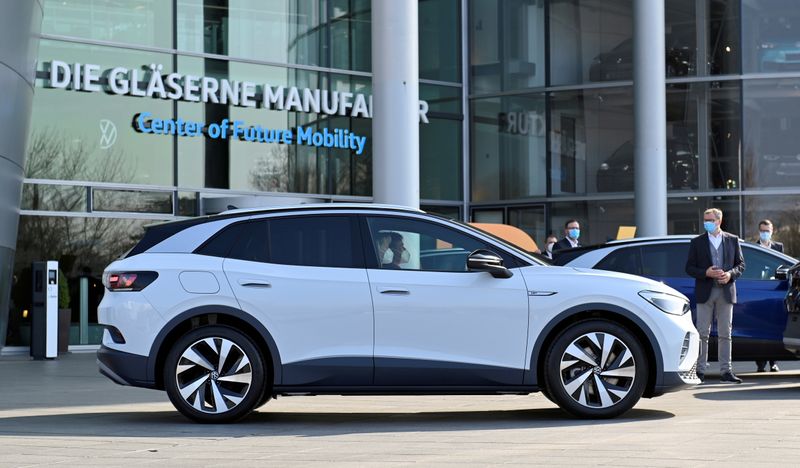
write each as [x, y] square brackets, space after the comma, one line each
[215, 374]
[596, 369]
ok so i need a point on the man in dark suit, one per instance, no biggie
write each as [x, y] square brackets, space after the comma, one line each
[572, 231]
[715, 262]
[765, 240]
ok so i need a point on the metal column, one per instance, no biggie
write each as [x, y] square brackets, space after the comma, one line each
[395, 105]
[650, 111]
[20, 24]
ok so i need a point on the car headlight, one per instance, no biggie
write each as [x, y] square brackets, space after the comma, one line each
[668, 303]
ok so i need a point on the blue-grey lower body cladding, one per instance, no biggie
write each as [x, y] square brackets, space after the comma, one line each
[19, 46]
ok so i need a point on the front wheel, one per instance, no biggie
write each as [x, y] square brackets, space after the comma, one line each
[214, 374]
[596, 369]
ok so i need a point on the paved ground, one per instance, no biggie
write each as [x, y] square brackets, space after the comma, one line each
[63, 412]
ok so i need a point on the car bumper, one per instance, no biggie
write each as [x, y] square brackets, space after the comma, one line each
[124, 368]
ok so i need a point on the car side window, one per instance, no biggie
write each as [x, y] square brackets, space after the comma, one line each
[665, 260]
[623, 260]
[245, 240]
[321, 241]
[407, 244]
[759, 264]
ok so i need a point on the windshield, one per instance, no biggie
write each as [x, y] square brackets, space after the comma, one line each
[534, 258]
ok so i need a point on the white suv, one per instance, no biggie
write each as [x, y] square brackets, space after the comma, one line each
[227, 311]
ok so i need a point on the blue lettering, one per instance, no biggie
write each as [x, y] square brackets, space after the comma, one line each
[304, 136]
[214, 130]
[140, 121]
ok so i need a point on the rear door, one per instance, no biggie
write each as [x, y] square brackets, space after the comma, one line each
[760, 311]
[304, 278]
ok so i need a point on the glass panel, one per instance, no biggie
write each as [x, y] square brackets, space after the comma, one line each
[451, 212]
[771, 36]
[772, 123]
[665, 260]
[761, 265]
[187, 204]
[133, 201]
[685, 214]
[590, 40]
[140, 22]
[440, 159]
[251, 242]
[683, 157]
[506, 45]
[487, 216]
[599, 220]
[329, 34]
[531, 220]
[723, 43]
[561, 213]
[83, 248]
[508, 148]
[440, 40]
[783, 211]
[680, 37]
[53, 197]
[88, 136]
[591, 141]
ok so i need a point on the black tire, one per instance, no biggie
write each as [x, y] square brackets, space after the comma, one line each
[242, 361]
[603, 390]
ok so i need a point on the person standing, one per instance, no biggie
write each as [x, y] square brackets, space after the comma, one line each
[572, 231]
[715, 261]
[765, 230]
[549, 243]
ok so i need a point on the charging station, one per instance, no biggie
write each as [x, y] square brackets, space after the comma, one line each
[44, 321]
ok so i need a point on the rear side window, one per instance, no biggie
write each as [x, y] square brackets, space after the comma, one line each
[243, 241]
[665, 260]
[624, 260]
[323, 241]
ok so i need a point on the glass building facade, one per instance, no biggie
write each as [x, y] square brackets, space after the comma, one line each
[530, 120]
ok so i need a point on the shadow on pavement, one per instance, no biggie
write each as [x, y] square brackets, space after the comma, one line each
[264, 423]
[728, 392]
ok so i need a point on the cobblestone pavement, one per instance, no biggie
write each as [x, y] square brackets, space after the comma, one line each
[64, 413]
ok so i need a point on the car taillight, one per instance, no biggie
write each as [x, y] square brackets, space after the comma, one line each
[128, 281]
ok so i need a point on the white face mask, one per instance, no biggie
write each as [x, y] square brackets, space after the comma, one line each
[549, 247]
[388, 257]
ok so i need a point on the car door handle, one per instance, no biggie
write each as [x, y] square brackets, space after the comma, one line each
[249, 283]
[394, 291]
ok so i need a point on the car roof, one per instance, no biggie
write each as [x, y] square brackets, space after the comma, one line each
[317, 206]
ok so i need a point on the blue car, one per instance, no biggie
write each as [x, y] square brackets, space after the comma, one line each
[759, 318]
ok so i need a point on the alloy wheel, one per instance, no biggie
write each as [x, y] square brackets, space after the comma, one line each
[213, 375]
[597, 370]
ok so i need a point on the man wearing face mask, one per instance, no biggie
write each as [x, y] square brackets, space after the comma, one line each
[715, 261]
[549, 243]
[765, 240]
[396, 253]
[572, 231]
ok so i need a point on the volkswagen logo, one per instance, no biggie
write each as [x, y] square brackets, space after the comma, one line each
[108, 134]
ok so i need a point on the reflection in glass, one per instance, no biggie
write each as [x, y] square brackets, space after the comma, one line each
[772, 123]
[439, 40]
[48, 197]
[783, 211]
[685, 214]
[139, 22]
[508, 148]
[506, 44]
[591, 134]
[590, 40]
[771, 36]
[531, 220]
[132, 201]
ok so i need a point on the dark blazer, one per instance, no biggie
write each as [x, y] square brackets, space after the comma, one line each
[700, 259]
[774, 246]
[563, 244]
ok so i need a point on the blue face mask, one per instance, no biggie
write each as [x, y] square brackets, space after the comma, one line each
[765, 236]
[710, 226]
[574, 233]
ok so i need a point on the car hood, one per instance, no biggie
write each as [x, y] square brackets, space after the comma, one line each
[590, 281]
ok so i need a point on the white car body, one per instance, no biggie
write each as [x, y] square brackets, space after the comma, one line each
[376, 330]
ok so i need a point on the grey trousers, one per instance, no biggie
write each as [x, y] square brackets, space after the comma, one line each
[719, 306]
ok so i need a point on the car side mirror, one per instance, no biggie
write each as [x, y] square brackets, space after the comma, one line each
[782, 272]
[486, 260]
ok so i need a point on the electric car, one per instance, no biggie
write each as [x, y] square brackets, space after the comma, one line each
[227, 311]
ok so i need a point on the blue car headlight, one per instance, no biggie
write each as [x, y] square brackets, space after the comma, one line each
[666, 302]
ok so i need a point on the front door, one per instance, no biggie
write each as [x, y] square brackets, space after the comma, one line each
[437, 324]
